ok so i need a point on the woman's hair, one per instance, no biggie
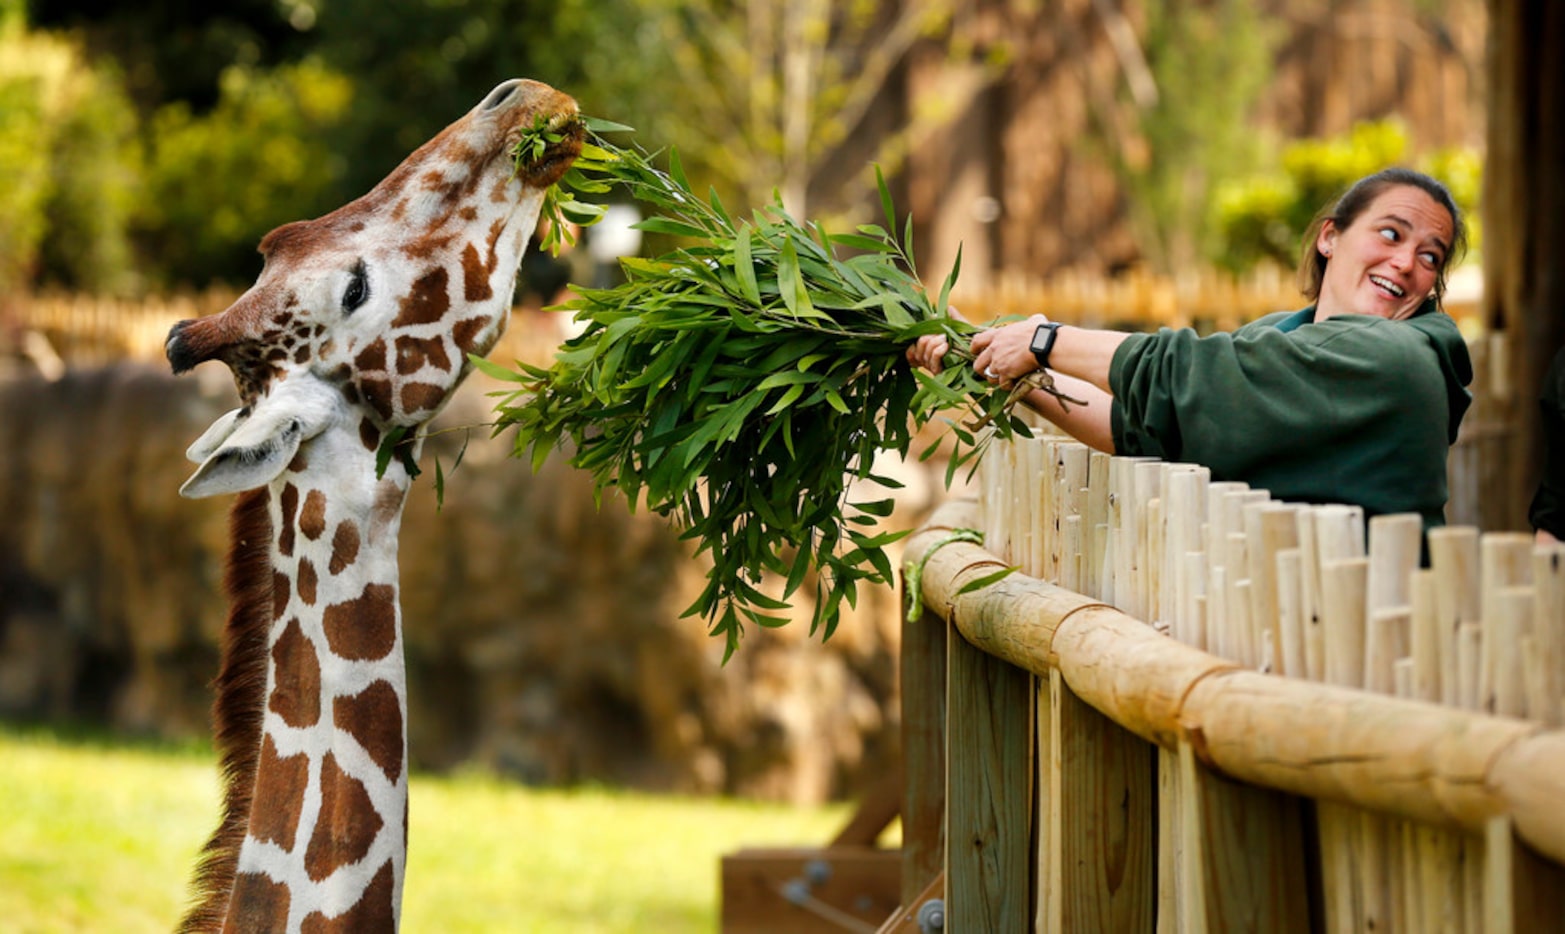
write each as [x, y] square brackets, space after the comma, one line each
[1346, 209]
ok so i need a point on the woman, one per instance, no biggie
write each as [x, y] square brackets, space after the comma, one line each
[1354, 399]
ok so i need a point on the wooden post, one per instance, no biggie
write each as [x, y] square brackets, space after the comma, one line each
[923, 690]
[989, 769]
[1100, 814]
[1243, 854]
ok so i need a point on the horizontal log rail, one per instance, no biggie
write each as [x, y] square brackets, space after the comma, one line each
[1410, 759]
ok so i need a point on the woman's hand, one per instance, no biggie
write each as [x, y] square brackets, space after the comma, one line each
[1004, 354]
[928, 351]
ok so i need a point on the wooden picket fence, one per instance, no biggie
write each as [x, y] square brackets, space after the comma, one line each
[1195, 708]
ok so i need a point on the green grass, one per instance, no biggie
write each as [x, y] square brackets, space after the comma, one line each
[100, 836]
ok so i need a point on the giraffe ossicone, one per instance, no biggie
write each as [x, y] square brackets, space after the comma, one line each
[360, 323]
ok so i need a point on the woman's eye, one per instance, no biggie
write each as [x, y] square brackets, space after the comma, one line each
[1389, 233]
[1432, 259]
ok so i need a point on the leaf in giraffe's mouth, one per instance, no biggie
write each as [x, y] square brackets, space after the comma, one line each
[739, 383]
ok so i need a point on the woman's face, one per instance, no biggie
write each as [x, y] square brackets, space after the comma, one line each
[1386, 262]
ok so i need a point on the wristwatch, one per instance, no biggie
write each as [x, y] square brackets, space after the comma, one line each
[1043, 341]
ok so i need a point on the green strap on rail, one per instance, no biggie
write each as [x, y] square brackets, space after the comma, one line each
[915, 574]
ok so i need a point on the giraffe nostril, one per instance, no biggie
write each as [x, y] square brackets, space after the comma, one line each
[501, 94]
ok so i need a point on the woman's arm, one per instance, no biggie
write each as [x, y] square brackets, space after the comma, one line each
[1084, 353]
[1089, 423]
[1079, 364]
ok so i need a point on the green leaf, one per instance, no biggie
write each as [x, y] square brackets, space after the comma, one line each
[986, 580]
[744, 266]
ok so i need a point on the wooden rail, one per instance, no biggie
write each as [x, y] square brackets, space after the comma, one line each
[1194, 708]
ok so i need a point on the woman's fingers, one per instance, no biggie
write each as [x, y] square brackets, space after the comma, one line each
[927, 352]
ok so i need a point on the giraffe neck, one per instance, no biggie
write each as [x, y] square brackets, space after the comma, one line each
[326, 836]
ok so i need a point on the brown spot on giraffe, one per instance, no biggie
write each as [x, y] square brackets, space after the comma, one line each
[425, 248]
[369, 434]
[375, 911]
[257, 902]
[364, 628]
[312, 518]
[427, 302]
[299, 464]
[288, 502]
[344, 547]
[372, 357]
[377, 395]
[280, 593]
[347, 824]
[279, 793]
[421, 397]
[296, 691]
[475, 275]
[374, 718]
[414, 352]
[470, 338]
[305, 581]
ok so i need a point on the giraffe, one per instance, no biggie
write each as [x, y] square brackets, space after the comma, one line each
[359, 325]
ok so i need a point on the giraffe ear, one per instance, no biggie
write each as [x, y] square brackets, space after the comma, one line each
[249, 447]
[251, 455]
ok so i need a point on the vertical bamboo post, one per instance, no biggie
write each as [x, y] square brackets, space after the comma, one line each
[1124, 473]
[1290, 612]
[1097, 518]
[1453, 557]
[1148, 487]
[1394, 544]
[1548, 574]
[1184, 501]
[1310, 598]
[1271, 528]
[1344, 584]
[1506, 562]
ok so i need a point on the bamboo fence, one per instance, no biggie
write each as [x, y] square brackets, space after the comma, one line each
[1196, 708]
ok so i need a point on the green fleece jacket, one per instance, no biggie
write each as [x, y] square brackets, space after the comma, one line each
[1355, 409]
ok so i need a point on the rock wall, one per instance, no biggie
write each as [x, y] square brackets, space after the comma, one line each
[543, 633]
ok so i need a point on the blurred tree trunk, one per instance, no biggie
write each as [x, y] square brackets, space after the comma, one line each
[1524, 228]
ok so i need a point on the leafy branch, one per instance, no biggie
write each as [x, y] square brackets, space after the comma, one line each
[740, 384]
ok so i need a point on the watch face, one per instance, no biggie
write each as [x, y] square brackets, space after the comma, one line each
[1040, 337]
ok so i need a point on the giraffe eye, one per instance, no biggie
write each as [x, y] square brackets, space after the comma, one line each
[358, 291]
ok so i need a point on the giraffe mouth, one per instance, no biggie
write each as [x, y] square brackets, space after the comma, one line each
[558, 156]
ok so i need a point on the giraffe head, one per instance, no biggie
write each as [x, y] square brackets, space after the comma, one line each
[364, 318]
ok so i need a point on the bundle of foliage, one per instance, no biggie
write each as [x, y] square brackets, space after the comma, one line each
[740, 383]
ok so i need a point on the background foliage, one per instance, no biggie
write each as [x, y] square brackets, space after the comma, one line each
[1263, 216]
[151, 145]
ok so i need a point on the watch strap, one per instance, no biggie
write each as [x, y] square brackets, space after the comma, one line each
[1043, 343]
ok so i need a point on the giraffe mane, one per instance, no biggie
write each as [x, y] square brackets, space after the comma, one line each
[238, 708]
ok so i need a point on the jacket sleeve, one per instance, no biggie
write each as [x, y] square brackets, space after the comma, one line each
[1235, 401]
